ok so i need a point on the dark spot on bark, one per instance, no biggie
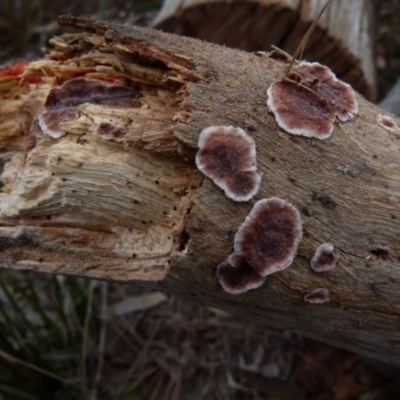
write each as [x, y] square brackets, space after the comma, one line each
[182, 240]
[374, 287]
[325, 200]
[380, 253]
[8, 243]
[251, 127]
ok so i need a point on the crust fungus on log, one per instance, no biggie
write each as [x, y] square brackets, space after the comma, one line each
[343, 39]
[119, 195]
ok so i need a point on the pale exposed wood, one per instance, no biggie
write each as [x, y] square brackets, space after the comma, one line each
[136, 207]
[344, 38]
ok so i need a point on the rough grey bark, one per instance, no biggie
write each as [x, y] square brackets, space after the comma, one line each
[128, 203]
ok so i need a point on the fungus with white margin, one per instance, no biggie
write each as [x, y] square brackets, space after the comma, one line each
[61, 104]
[387, 123]
[236, 276]
[339, 94]
[324, 258]
[269, 236]
[318, 296]
[300, 111]
[227, 155]
[309, 104]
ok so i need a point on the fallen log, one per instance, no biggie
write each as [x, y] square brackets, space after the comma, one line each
[99, 142]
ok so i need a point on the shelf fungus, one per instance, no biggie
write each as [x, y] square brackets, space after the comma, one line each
[324, 258]
[318, 296]
[310, 100]
[227, 155]
[387, 123]
[236, 276]
[62, 103]
[269, 237]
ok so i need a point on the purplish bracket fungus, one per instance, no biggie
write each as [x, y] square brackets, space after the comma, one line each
[269, 237]
[387, 123]
[227, 155]
[236, 276]
[323, 81]
[324, 258]
[308, 103]
[318, 296]
[61, 103]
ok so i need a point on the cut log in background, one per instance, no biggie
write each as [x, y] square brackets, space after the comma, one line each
[119, 197]
[344, 38]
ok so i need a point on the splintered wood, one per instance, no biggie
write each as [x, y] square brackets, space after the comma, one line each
[112, 190]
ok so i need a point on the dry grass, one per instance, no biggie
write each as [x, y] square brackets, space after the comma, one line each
[65, 338]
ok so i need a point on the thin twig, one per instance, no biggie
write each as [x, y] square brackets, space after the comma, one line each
[102, 338]
[86, 333]
[304, 41]
[34, 368]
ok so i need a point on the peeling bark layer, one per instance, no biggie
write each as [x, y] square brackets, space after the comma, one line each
[119, 196]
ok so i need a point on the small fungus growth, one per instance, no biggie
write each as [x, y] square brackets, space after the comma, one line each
[61, 104]
[300, 111]
[308, 103]
[387, 123]
[236, 276]
[339, 95]
[324, 258]
[318, 296]
[269, 237]
[227, 155]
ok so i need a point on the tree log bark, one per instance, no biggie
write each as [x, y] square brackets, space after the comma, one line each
[119, 196]
[344, 38]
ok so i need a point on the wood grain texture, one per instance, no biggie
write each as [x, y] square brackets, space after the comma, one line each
[136, 208]
[344, 38]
